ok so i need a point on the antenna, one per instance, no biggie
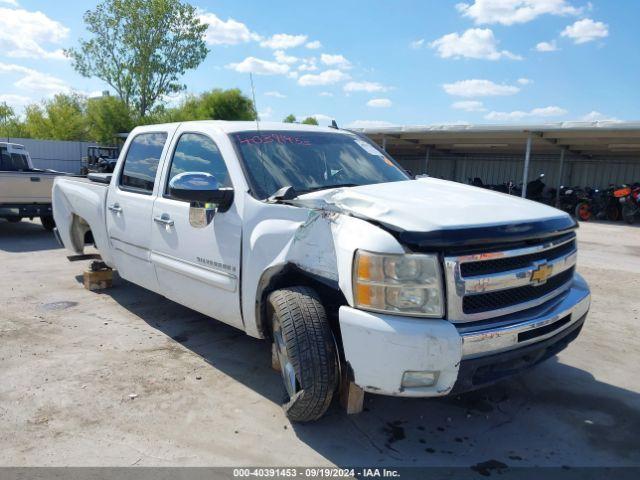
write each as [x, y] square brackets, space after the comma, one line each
[255, 106]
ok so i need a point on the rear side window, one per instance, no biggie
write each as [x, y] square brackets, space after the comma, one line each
[19, 161]
[198, 153]
[141, 162]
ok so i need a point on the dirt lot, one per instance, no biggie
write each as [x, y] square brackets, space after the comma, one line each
[71, 361]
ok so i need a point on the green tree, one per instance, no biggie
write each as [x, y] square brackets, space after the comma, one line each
[106, 116]
[7, 114]
[310, 121]
[141, 48]
[291, 118]
[61, 118]
[213, 105]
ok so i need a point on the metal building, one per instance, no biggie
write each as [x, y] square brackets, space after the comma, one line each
[58, 155]
[593, 154]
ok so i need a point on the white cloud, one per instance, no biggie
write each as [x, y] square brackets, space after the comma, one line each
[586, 30]
[551, 111]
[547, 46]
[509, 12]
[370, 124]
[469, 106]
[379, 103]
[259, 67]
[10, 2]
[314, 45]
[266, 113]
[282, 57]
[525, 81]
[282, 41]
[39, 83]
[595, 116]
[23, 33]
[337, 61]
[275, 94]
[326, 94]
[321, 117]
[474, 43]
[15, 101]
[479, 88]
[230, 32]
[416, 44]
[365, 87]
[308, 65]
[328, 77]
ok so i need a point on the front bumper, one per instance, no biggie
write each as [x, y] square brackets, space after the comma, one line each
[380, 348]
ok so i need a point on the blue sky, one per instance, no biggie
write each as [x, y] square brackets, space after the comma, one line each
[375, 62]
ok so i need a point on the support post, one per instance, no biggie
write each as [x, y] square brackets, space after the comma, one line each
[560, 169]
[426, 159]
[525, 174]
[384, 143]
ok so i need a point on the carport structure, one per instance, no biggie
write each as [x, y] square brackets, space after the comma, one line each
[571, 153]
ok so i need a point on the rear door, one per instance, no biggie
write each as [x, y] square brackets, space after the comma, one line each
[197, 267]
[130, 206]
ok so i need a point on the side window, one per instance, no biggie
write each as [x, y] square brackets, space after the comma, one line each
[19, 161]
[141, 161]
[198, 153]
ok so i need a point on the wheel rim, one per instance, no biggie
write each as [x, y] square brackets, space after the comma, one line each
[583, 212]
[286, 367]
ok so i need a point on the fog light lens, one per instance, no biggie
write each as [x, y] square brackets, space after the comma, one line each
[419, 379]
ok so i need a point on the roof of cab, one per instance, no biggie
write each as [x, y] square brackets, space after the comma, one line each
[241, 126]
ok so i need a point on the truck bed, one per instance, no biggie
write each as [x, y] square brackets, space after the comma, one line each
[79, 206]
[26, 187]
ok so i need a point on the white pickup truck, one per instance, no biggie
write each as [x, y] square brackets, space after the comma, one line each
[317, 240]
[25, 192]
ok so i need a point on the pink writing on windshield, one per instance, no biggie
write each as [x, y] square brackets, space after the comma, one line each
[272, 138]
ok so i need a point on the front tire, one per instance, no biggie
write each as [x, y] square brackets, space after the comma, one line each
[306, 351]
[47, 222]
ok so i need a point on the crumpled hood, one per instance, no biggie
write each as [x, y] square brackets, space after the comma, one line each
[429, 204]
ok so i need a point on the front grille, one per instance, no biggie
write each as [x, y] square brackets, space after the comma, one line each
[512, 263]
[506, 298]
[488, 284]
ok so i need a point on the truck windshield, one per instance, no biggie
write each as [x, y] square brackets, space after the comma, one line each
[310, 161]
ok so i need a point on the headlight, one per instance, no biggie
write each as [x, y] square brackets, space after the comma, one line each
[408, 284]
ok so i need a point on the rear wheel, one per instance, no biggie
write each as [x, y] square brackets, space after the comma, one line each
[613, 212]
[47, 222]
[306, 352]
[628, 214]
[14, 219]
[583, 212]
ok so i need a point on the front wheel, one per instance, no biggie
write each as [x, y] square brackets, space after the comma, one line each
[47, 222]
[306, 352]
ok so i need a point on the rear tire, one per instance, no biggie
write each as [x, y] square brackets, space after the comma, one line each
[613, 213]
[306, 351]
[14, 219]
[628, 214]
[47, 222]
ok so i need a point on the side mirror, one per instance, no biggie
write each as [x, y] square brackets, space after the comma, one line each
[201, 188]
[204, 194]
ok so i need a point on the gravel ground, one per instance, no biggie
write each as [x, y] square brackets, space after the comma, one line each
[126, 377]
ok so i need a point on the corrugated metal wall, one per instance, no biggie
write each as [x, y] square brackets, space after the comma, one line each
[54, 154]
[494, 169]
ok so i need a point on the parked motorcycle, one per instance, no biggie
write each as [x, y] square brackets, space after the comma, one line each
[629, 197]
[603, 204]
[575, 200]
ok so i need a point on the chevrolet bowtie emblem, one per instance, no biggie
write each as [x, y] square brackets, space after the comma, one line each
[541, 274]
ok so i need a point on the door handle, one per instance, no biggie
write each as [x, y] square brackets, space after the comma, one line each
[164, 219]
[35, 179]
[115, 208]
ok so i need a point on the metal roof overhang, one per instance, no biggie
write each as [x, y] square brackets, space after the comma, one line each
[585, 139]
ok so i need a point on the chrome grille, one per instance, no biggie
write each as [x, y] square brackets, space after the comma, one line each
[492, 284]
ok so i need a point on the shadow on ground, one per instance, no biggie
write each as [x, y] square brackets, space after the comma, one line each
[25, 236]
[554, 415]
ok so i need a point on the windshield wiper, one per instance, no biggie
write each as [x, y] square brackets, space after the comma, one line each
[326, 187]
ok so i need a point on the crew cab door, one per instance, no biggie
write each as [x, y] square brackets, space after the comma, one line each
[197, 266]
[130, 206]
